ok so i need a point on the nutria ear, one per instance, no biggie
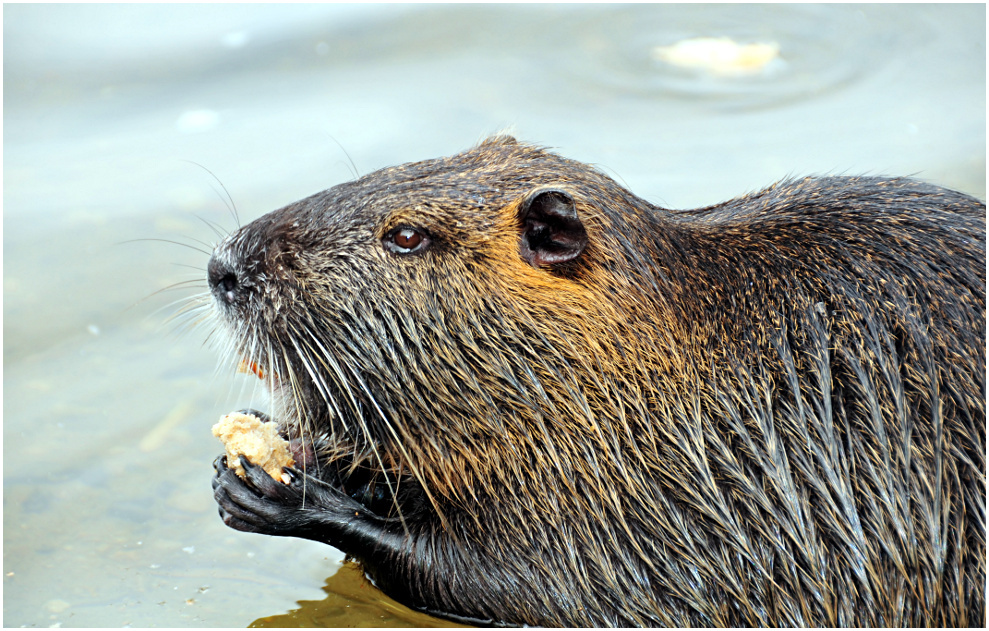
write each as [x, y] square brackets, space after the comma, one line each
[552, 233]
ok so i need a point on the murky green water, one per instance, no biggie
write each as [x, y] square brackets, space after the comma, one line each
[108, 515]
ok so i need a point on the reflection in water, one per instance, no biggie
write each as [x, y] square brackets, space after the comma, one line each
[351, 601]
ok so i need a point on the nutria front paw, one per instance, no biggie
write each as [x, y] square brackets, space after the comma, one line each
[303, 507]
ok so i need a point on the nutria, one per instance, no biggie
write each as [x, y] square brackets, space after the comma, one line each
[518, 394]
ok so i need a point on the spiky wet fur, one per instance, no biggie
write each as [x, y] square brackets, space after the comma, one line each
[766, 412]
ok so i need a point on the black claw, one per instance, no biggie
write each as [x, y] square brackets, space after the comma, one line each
[220, 463]
[264, 418]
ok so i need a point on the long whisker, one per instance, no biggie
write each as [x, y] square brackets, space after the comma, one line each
[398, 442]
[188, 302]
[232, 207]
[327, 356]
[219, 232]
[329, 361]
[353, 167]
[207, 249]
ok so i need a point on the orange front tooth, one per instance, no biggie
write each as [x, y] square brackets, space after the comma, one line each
[248, 366]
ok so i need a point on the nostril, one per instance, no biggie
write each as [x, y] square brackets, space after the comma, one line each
[223, 281]
[227, 287]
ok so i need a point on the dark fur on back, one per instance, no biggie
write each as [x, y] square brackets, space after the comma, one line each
[766, 412]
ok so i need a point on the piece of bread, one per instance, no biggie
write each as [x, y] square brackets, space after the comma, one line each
[245, 435]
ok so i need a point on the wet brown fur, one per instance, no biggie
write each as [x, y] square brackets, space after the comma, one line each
[766, 412]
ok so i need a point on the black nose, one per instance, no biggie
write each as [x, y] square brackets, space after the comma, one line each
[223, 281]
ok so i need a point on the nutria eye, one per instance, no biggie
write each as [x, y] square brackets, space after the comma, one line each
[406, 240]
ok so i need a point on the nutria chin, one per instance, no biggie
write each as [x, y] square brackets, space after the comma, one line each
[517, 393]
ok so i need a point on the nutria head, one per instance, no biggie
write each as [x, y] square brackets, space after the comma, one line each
[435, 316]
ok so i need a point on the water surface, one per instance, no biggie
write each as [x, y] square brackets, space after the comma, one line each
[113, 114]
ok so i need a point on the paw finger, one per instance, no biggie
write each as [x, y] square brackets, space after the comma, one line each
[237, 523]
[259, 479]
[239, 503]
